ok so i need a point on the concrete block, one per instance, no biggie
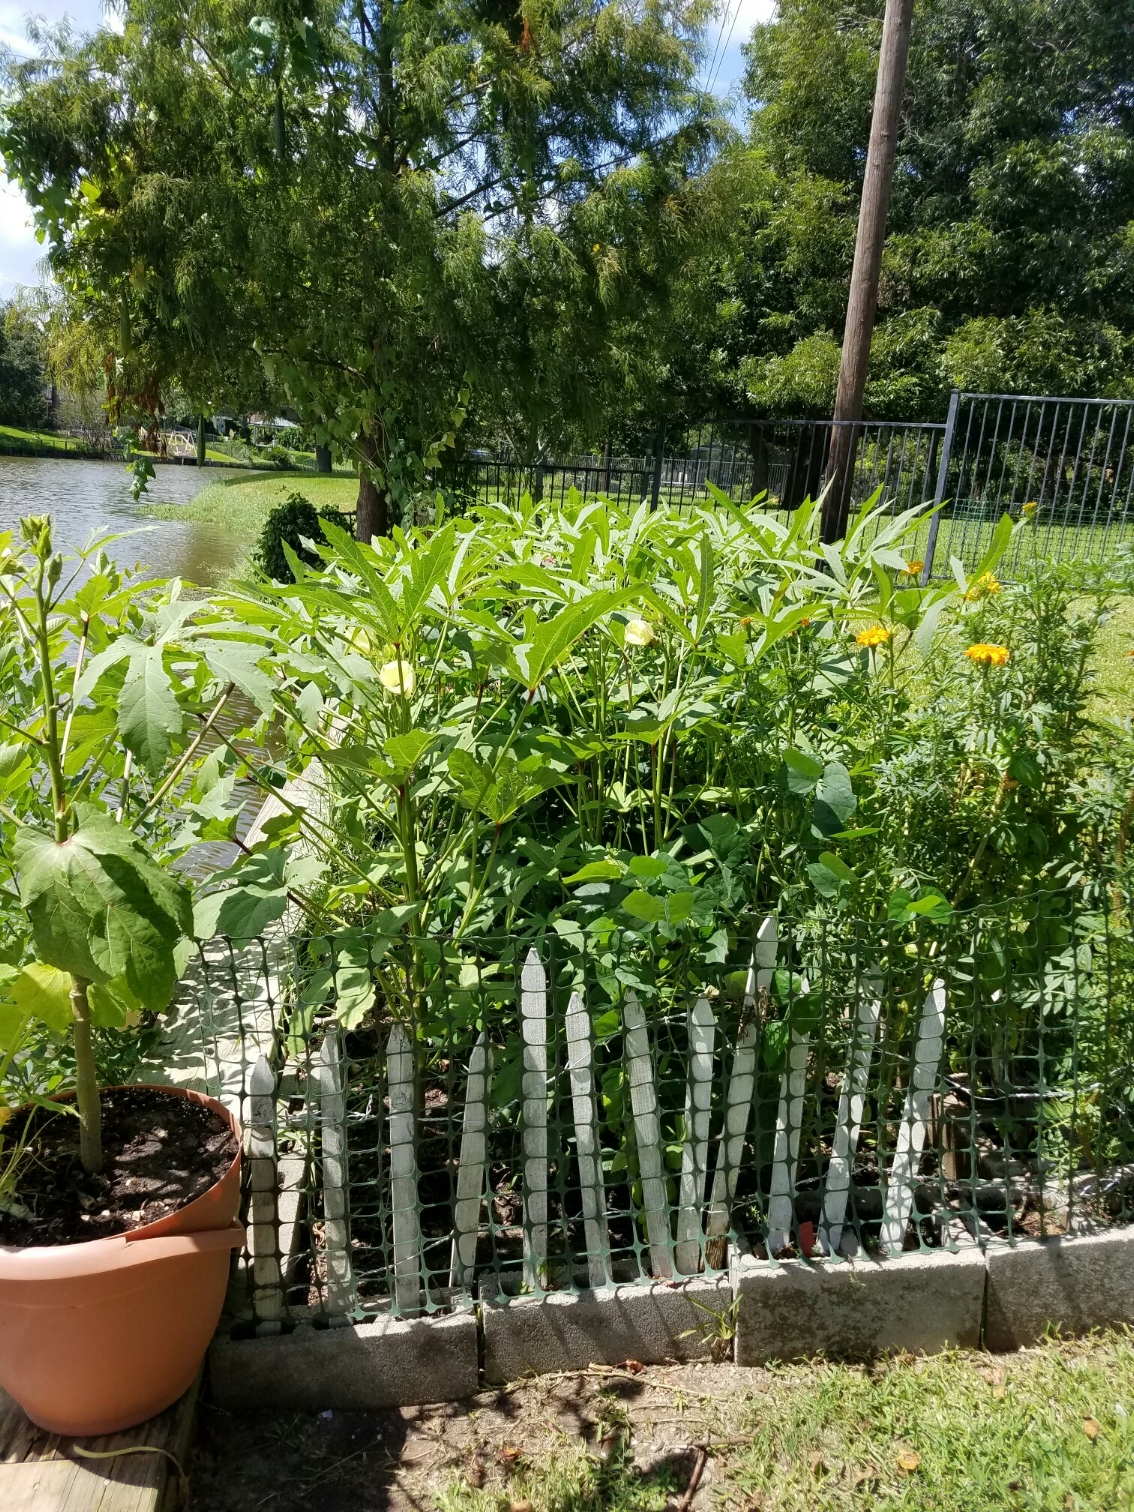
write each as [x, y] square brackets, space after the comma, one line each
[854, 1309]
[1074, 1284]
[649, 1322]
[388, 1363]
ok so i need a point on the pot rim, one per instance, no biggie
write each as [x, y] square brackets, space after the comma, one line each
[17, 1261]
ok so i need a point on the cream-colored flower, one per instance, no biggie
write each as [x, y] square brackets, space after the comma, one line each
[639, 632]
[398, 677]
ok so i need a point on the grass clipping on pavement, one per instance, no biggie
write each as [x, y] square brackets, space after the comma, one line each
[1049, 1429]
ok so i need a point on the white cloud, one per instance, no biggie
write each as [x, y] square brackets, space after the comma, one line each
[20, 253]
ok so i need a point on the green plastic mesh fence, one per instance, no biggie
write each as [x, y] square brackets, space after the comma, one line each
[431, 1121]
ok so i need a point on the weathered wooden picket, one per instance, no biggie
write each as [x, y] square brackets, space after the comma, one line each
[682, 1238]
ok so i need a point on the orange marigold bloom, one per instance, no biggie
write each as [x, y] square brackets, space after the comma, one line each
[873, 635]
[914, 567]
[992, 656]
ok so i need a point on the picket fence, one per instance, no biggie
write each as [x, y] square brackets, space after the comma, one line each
[682, 1239]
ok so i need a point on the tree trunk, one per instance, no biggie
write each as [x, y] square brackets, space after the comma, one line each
[371, 517]
[323, 459]
[200, 440]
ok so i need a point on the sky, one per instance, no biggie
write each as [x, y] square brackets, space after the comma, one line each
[21, 254]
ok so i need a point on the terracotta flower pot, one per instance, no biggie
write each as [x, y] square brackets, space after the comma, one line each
[97, 1337]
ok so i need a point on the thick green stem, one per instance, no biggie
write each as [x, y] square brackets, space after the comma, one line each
[86, 1079]
[86, 1075]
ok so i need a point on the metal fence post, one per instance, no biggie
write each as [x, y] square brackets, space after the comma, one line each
[942, 483]
[659, 454]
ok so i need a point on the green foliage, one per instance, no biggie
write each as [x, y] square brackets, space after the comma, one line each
[602, 722]
[468, 192]
[22, 375]
[108, 685]
[294, 520]
[1008, 259]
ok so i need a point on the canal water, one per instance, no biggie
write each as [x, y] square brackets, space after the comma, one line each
[91, 498]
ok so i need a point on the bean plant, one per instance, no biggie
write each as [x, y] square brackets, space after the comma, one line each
[616, 725]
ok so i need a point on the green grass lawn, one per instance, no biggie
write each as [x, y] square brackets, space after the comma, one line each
[242, 502]
[1046, 1430]
[13, 439]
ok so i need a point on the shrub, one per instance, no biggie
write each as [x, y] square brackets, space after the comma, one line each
[294, 520]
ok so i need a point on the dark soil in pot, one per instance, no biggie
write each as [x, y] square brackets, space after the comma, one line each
[160, 1154]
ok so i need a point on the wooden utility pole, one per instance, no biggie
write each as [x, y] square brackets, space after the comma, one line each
[871, 239]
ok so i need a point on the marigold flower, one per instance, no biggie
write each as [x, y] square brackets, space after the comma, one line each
[5, 1115]
[597, 247]
[1030, 508]
[992, 656]
[639, 632]
[914, 567]
[986, 583]
[398, 677]
[873, 635]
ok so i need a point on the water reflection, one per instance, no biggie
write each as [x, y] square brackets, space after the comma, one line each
[88, 498]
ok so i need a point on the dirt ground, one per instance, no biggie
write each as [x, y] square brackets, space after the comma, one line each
[666, 1418]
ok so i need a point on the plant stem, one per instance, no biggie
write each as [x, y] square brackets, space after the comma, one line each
[86, 1079]
[86, 1075]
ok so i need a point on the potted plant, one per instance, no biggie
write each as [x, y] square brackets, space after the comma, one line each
[114, 1249]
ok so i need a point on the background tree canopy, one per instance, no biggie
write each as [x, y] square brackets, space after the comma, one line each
[1010, 260]
[429, 223]
[364, 204]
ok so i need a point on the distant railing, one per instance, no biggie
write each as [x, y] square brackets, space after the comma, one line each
[785, 461]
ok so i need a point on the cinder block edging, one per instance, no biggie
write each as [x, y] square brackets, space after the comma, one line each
[850, 1309]
[651, 1322]
[364, 1366]
[853, 1309]
[1073, 1284]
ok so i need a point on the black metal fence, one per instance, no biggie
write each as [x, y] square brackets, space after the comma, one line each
[1067, 463]
[784, 461]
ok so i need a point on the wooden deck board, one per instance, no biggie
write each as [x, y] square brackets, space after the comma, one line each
[41, 1472]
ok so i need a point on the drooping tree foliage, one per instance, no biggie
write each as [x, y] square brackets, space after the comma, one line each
[372, 207]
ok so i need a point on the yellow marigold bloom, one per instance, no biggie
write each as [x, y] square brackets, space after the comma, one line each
[914, 567]
[992, 656]
[986, 583]
[639, 632]
[5, 1115]
[597, 247]
[1030, 509]
[397, 677]
[873, 635]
